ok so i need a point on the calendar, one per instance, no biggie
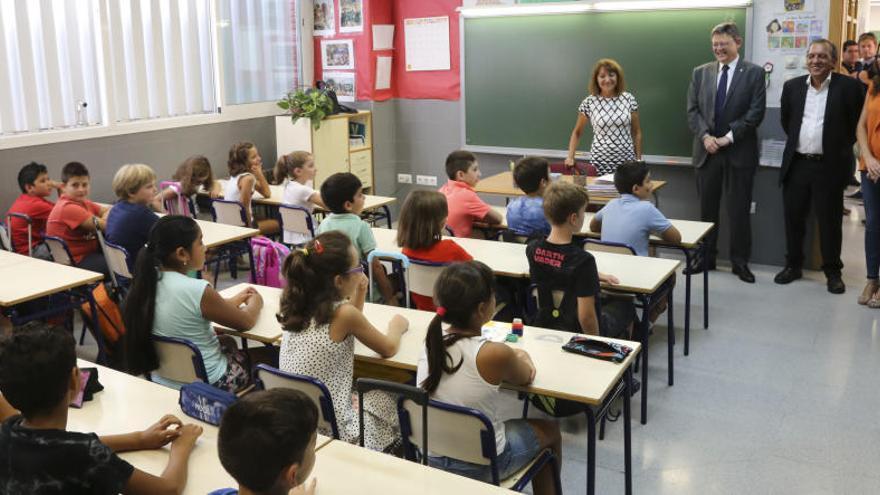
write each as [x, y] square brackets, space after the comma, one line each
[426, 43]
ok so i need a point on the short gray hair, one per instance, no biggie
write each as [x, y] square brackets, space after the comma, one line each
[829, 44]
[729, 28]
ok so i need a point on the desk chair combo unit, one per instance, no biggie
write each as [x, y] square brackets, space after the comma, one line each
[296, 219]
[268, 377]
[231, 213]
[6, 232]
[179, 360]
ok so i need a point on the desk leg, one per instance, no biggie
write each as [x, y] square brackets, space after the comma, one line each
[627, 433]
[645, 330]
[670, 338]
[387, 215]
[705, 286]
[591, 451]
[687, 301]
[250, 250]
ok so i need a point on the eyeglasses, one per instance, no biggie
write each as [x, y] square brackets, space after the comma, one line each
[357, 269]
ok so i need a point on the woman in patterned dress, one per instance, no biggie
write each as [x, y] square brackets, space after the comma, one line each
[614, 115]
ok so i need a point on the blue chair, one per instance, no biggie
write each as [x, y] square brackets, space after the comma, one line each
[179, 360]
[230, 213]
[5, 241]
[268, 377]
[296, 219]
[59, 250]
[468, 435]
[399, 265]
[27, 220]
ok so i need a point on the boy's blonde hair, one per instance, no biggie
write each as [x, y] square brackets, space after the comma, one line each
[130, 178]
[561, 199]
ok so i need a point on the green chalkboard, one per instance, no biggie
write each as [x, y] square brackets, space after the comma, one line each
[525, 76]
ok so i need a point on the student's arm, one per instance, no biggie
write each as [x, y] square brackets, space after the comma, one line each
[154, 437]
[262, 183]
[575, 138]
[6, 409]
[88, 224]
[216, 190]
[596, 224]
[227, 312]
[348, 320]
[587, 315]
[492, 217]
[173, 478]
[637, 135]
[671, 235]
[316, 199]
[246, 189]
[499, 362]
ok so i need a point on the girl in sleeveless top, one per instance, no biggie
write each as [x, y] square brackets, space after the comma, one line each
[460, 367]
[320, 312]
[245, 177]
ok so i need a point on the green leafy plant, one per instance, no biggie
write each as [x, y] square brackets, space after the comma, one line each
[311, 104]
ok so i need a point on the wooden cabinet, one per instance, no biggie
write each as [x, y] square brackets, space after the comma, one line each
[343, 143]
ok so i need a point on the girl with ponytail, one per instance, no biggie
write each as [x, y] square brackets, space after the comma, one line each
[321, 313]
[460, 367]
[164, 301]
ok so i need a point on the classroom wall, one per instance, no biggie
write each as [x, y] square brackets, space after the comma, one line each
[163, 150]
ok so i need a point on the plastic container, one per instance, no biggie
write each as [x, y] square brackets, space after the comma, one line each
[517, 327]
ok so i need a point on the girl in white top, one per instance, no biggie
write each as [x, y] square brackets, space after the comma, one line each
[321, 313]
[246, 176]
[298, 168]
[460, 367]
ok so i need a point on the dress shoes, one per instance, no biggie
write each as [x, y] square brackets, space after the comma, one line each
[743, 272]
[788, 275]
[698, 268]
[836, 285]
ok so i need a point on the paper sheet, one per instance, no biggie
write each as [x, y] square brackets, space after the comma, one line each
[427, 43]
[383, 36]
[771, 152]
[383, 72]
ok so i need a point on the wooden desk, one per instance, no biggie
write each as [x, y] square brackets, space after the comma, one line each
[502, 184]
[25, 278]
[638, 275]
[344, 469]
[600, 379]
[217, 234]
[129, 403]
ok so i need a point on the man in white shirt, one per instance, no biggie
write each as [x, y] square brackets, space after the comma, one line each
[820, 112]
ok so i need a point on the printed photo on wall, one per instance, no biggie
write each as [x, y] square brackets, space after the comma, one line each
[342, 83]
[337, 54]
[351, 16]
[325, 18]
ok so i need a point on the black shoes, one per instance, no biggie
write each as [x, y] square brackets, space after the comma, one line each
[835, 284]
[693, 270]
[788, 275]
[743, 272]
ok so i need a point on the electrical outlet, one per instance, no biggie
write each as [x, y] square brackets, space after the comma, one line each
[426, 180]
[404, 178]
[754, 208]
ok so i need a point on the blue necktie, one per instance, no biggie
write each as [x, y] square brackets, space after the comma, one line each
[720, 97]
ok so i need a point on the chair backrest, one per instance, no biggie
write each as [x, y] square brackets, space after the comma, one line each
[415, 395]
[58, 249]
[268, 377]
[5, 243]
[399, 264]
[422, 275]
[228, 212]
[179, 360]
[10, 217]
[115, 256]
[296, 219]
[608, 247]
[453, 431]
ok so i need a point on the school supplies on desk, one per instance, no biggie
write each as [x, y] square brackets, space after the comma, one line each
[599, 349]
[496, 331]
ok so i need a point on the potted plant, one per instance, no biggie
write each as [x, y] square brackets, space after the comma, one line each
[307, 103]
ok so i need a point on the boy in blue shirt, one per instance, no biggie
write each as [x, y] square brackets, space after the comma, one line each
[632, 218]
[525, 215]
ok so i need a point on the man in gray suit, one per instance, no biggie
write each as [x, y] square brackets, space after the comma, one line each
[726, 101]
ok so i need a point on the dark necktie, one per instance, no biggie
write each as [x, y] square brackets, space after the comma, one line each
[720, 97]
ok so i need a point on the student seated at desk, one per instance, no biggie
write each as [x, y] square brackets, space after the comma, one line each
[246, 176]
[297, 170]
[39, 377]
[343, 193]
[131, 218]
[73, 219]
[420, 234]
[194, 173]
[321, 313]
[465, 207]
[164, 301]
[525, 214]
[267, 443]
[460, 367]
[558, 263]
[632, 218]
[35, 185]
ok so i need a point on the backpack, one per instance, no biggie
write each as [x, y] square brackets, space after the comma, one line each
[179, 206]
[268, 258]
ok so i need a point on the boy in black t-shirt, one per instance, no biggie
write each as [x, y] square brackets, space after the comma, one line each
[559, 264]
[39, 377]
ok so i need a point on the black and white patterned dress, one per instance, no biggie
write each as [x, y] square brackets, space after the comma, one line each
[611, 119]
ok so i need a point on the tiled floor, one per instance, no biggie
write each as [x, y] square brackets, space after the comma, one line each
[780, 395]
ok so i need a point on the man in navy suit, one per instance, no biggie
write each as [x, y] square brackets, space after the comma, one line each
[820, 112]
[726, 103]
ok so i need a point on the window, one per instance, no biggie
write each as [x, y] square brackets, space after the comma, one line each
[161, 58]
[258, 46]
[49, 77]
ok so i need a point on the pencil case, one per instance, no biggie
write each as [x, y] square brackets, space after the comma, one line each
[204, 402]
[597, 349]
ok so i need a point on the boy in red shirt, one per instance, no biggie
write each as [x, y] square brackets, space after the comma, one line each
[72, 219]
[465, 207]
[33, 179]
